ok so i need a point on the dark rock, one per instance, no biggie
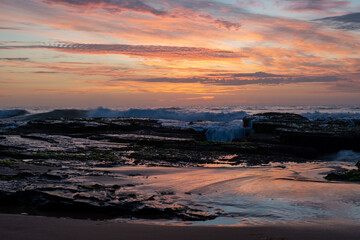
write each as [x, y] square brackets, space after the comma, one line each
[358, 164]
[273, 119]
[25, 174]
[53, 176]
[351, 175]
[324, 142]
[82, 206]
[89, 127]
[323, 136]
[337, 121]
[345, 175]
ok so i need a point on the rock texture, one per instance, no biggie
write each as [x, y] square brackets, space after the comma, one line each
[322, 135]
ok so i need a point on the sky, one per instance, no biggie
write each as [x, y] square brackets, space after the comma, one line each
[141, 53]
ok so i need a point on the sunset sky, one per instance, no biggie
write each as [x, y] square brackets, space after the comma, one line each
[179, 53]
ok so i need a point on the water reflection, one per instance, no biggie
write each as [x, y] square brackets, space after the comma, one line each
[278, 193]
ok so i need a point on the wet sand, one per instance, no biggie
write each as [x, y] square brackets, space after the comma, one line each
[20, 227]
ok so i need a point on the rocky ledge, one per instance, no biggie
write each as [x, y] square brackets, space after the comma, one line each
[58, 166]
[321, 135]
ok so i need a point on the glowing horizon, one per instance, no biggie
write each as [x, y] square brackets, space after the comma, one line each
[179, 53]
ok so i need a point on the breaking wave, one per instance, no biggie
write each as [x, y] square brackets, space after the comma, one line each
[170, 113]
[219, 126]
[337, 115]
[12, 113]
[345, 156]
[226, 132]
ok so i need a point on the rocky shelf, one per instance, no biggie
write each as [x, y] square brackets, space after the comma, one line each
[56, 166]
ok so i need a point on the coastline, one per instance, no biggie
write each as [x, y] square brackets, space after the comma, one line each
[110, 168]
[16, 227]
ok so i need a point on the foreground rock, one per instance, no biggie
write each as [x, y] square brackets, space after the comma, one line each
[76, 188]
[345, 175]
[82, 204]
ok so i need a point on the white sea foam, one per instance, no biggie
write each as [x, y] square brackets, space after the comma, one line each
[334, 115]
[214, 131]
[345, 156]
[226, 132]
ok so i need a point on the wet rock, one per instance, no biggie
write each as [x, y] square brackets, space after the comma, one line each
[8, 163]
[92, 187]
[292, 129]
[345, 175]
[26, 174]
[166, 193]
[268, 122]
[37, 137]
[87, 127]
[337, 121]
[16, 154]
[87, 206]
[352, 175]
[134, 174]
[326, 141]
[53, 176]
[104, 165]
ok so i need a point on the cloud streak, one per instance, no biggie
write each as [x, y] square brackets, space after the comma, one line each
[14, 59]
[240, 79]
[346, 22]
[170, 9]
[146, 51]
[314, 5]
[113, 6]
[8, 28]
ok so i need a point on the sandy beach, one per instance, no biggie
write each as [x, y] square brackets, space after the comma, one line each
[20, 227]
